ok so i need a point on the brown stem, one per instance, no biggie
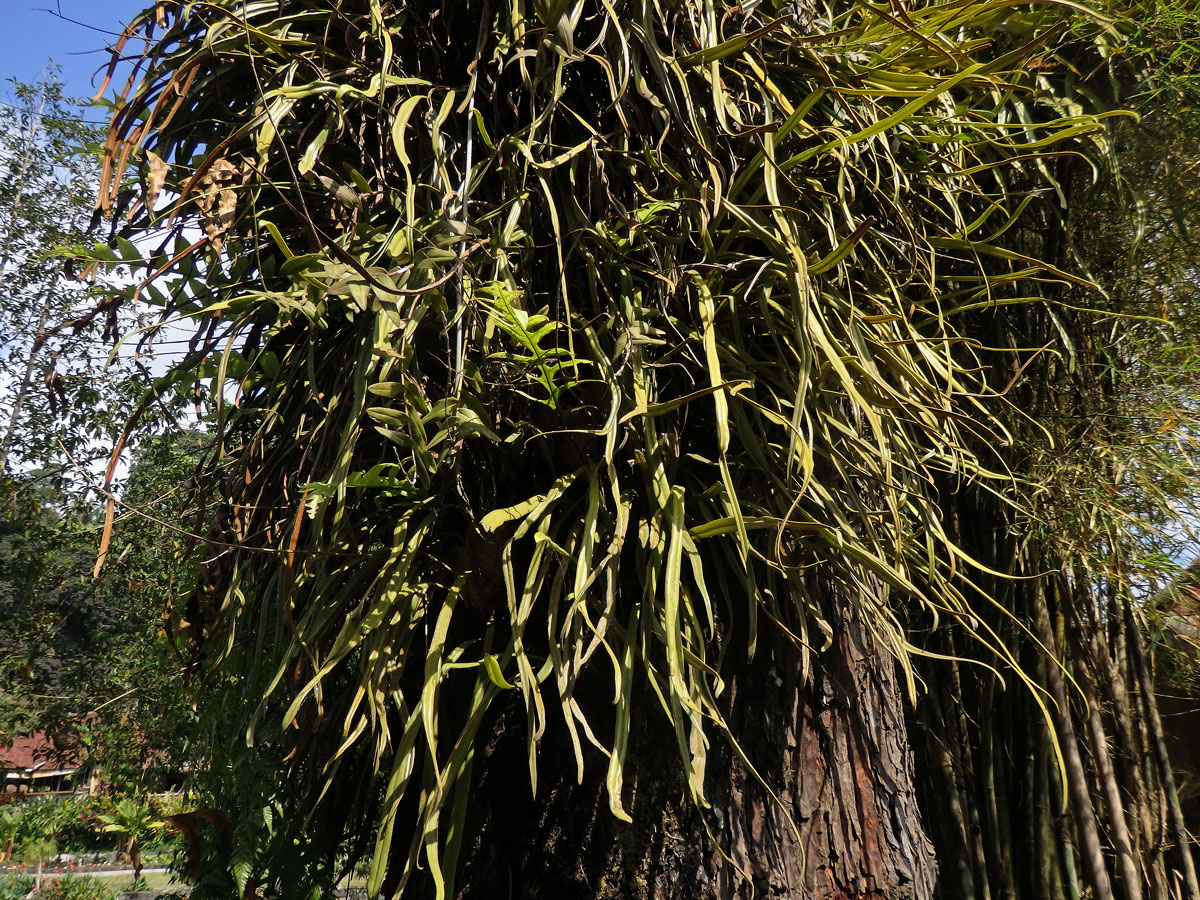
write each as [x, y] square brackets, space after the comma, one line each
[1077, 787]
[996, 799]
[1131, 882]
[1158, 745]
[135, 857]
[944, 764]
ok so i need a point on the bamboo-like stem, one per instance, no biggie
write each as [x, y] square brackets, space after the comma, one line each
[944, 763]
[1140, 778]
[1131, 881]
[1065, 842]
[966, 776]
[1032, 810]
[1077, 788]
[1109, 675]
[1151, 773]
[1179, 832]
[998, 832]
[1049, 882]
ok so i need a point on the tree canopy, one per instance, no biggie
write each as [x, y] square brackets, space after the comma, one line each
[62, 399]
[85, 658]
[77, 654]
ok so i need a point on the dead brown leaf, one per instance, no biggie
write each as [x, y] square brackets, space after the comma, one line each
[156, 178]
[218, 200]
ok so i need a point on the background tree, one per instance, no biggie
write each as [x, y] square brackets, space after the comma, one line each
[57, 325]
[84, 658]
[593, 378]
[69, 645]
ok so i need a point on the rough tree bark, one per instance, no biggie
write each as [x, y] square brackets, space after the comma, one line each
[833, 749]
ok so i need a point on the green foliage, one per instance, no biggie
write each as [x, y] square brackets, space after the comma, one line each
[11, 821]
[132, 820]
[89, 824]
[49, 819]
[71, 645]
[554, 351]
[15, 887]
[60, 400]
[70, 822]
[85, 655]
[33, 851]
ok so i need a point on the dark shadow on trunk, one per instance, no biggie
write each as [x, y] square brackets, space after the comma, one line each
[833, 749]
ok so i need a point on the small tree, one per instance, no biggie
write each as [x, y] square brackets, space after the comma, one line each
[11, 818]
[34, 851]
[133, 822]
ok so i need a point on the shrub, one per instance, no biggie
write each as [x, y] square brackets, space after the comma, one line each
[68, 821]
[71, 821]
[34, 850]
[75, 887]
[15, 887]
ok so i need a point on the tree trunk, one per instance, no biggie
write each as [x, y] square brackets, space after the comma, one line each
[135, 857]
[833, 750]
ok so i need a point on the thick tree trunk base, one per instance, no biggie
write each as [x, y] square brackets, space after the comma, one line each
[834, 751]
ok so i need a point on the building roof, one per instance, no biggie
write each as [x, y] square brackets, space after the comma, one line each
[35, 754]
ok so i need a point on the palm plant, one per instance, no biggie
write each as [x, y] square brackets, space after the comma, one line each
[597, 377]
[133, 822]
[11, 818]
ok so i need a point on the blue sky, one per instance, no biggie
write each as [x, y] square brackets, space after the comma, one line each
[33, 35]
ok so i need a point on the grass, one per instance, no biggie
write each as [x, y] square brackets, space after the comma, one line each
[154, 880]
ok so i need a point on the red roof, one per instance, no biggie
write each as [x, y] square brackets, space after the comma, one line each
[33, 752]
